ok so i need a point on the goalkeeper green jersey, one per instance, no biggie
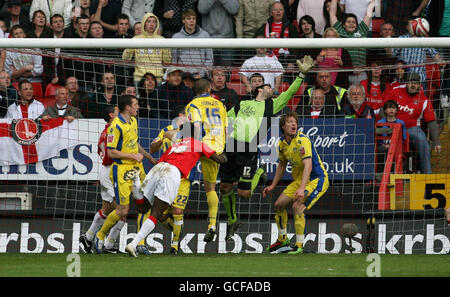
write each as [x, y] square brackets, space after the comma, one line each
[247, 118]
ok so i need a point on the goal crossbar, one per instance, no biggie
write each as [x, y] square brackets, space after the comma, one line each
[435, 42]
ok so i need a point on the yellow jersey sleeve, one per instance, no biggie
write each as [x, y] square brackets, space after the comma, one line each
[305, 147]
[115, 138]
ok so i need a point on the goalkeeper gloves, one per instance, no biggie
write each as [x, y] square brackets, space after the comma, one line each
[305, 66]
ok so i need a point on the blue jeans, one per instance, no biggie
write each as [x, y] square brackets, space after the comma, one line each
[419, 140]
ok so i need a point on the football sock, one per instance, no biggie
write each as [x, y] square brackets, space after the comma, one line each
[300, 223]
[96, 224]
[213, 206]
[110, 221]
[168, 224]
[281, 221]
[177, 226]
[146, 228]
[229, 201]
[114, 234]
[141, 218]
[255, 179]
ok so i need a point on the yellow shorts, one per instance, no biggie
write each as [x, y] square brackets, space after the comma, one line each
[210, 169]
[183, 194]
[314, 190]
[122, 179]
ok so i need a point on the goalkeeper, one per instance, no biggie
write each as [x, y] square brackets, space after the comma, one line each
[247, 119]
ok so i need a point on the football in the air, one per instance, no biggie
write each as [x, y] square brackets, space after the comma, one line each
[420, 27]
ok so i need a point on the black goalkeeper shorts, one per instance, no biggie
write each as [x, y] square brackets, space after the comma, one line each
[240, 167]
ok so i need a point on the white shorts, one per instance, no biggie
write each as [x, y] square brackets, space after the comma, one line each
[107, 188]
[162, 181]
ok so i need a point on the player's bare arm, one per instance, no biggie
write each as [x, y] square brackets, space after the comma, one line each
[281, 168]
[222, 158]
[115, 154]
[147, 155]
[300, 193]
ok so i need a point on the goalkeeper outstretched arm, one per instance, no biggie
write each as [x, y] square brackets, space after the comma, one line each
[304, 67]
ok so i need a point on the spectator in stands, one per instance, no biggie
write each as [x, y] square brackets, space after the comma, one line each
[54, 72]
[399, 76]
[387, 30]
[136, 9]
[357, 106]
[123, 27]
[194, 60]
[219, 87]
[334, 95]
[96, 30]
[307, 28]
[251, 16]
[16, 16]
[277, 26]
[152, 59]
[106, 12]
[358, 8]
[26, 107]
[137, 28]
[106, 94]
[188, 79]
[335, 59]
[148, 96]
[62, 108]
[77, 97]
[171, 18]
[218, 21]
[51, 7]
[268, 66]
[314, 8]
[390, 109]
[40, 28]
[85, 6]
[326, 13]
[82, 25]
[129, 90]
[318, 109]
[8, 94]
[414, 56]
[349, 28]
[25, 64]
[256, 80]
[376, 86]
[172, 93]
[414, 106]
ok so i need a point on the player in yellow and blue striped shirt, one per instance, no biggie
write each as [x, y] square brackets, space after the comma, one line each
[310, 181]
[209, 115]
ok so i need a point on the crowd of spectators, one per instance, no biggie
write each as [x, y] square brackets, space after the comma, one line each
[348, 82]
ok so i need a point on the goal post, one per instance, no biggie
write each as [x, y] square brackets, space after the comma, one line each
[62, 190]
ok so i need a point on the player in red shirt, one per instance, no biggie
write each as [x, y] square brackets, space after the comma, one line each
[107, 189]
[160, 187]
[413, 107]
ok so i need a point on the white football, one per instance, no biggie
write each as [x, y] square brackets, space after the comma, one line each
[420, 27]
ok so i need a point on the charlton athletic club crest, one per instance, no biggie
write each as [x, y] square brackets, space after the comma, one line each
[25, 131]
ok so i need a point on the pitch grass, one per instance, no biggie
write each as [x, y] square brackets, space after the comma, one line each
[224, 265]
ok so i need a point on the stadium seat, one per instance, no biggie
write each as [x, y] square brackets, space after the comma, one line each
[48, 101]
[50, 90]
[376, 27]
[238, 87]
[235, 77]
